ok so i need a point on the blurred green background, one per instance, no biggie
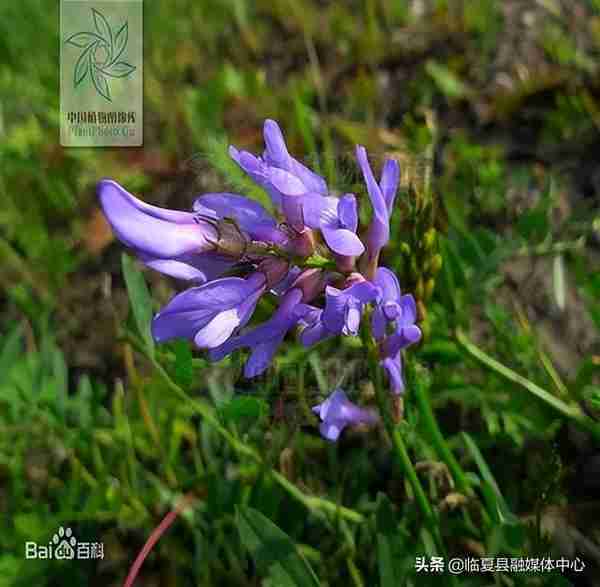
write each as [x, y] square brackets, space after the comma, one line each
[493, 109]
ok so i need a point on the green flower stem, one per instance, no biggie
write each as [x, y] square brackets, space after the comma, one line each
[393, 430]
[571, 411]
[385, 409]
[317, 505]
[418, 388]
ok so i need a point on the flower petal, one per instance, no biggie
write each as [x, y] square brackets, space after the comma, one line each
[200, 268]
[277, 153]
[179, 324]
[252, 165]
[347, 212]
[409, 310]
[331, 430]
[334, 314]
[218, 330]
[393, 368]
[343, 241]
[337, 412]
[378, 323]
[318, 209]
[261, 356]
[388, 282]
[390, 177]
[285, 182]
[273, 329]
[247, 213]
[151, 230]
[352, 318]
[314, 334]
[108, 189]
[401, 339]
[379, 230]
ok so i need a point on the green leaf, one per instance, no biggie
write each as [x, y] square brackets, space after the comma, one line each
[490, 488]
[446, 80]
[273, 549]
[83, 402]
[82, 40]
[139, 299]
[385, 516]
[120, 69]
[11, 350]
[385, 562]
[60, 377]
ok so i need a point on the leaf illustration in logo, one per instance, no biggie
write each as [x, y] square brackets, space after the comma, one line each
[120, 42]
[82, 40]
[120, 69]
[104, 30]
[101, 66]
[83, 64]
[100, 83]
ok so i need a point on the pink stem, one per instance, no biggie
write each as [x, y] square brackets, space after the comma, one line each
[154, 537]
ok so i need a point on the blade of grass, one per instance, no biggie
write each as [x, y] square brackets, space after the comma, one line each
[573, 412]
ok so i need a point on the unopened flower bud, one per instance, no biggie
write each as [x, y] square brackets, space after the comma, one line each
[274, 269]
[344, 263]
[311, 282]
[353, 279]
[302, 244]
[405, 249]
[420, 289]
[429, 239]
[429, 287]
[436, 264]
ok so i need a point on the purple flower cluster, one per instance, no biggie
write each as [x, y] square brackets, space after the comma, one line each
[311, 260]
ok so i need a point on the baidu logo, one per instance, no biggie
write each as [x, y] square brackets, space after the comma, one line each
[64, 546]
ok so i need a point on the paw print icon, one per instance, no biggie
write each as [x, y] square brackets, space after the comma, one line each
[65, 543]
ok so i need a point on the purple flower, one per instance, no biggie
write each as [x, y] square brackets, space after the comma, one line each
[313, 329]
[337, 412]
[286, 180]
[403, 314]
[157, 233]
[382, 196]
[343, 307]
[337, 219]
[342, 313]
[209, 314]
[388, 307]
[230, 234]
[265, 338]
[186, 245]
